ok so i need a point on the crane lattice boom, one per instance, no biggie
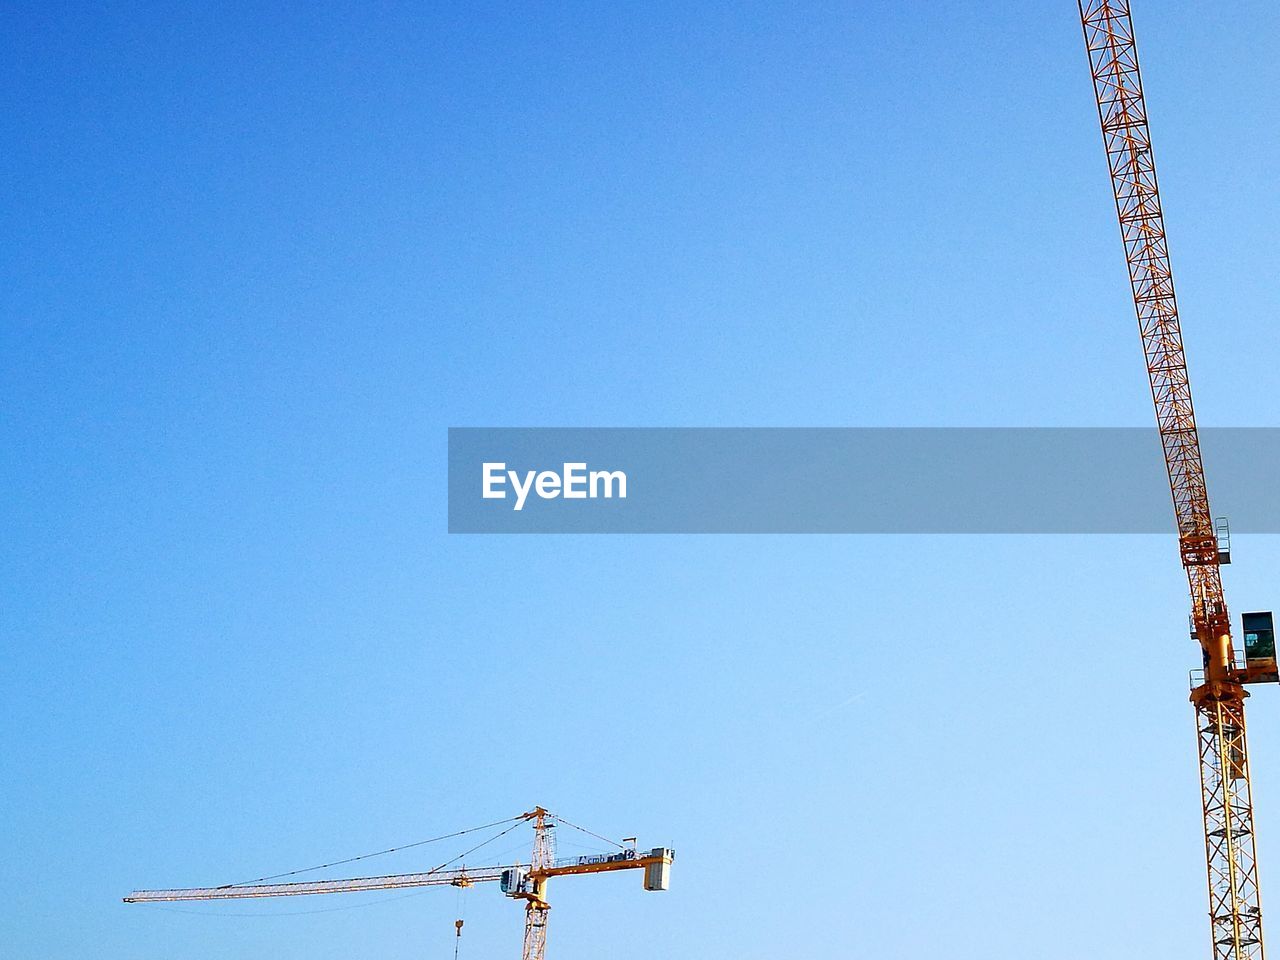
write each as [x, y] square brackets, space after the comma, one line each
[458, 878]
[1122, 110]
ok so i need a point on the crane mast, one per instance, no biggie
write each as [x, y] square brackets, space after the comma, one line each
[536, 908]
[1218, 693]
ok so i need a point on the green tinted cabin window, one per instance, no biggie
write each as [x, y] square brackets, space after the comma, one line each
[1259, 636]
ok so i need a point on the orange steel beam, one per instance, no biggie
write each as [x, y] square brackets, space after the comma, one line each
[603, 867]
[1122, 112]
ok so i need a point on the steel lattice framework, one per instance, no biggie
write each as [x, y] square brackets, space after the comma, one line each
[463, 877]
[536, 910]
[1226, 796]
[1234, 911]
[1122, 111]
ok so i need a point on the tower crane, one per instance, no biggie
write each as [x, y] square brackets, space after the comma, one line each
[527, 882]
[1218, 689]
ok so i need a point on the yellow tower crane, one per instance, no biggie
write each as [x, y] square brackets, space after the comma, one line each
[527, 882]
[1218, 690]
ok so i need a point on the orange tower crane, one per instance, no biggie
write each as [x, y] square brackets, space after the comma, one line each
[527, 882]
[1218, 690]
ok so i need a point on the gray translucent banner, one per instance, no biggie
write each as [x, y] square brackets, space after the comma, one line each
[864, 480]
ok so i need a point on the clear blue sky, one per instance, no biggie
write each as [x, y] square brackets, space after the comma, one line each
[259, 257]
